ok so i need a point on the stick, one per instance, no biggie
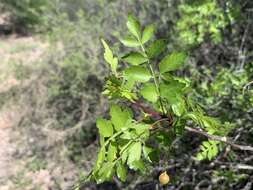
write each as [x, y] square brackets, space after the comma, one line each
[218, 138]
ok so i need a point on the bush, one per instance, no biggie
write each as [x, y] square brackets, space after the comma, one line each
[27, 14]
[66, 97]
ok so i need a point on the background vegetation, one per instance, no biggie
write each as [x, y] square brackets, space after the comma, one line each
[59, 93]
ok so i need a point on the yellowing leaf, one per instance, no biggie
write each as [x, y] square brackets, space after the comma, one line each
[108, 56]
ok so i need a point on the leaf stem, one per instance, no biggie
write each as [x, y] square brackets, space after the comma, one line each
[155, 78]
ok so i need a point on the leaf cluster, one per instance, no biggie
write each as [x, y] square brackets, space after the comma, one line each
[150, 107]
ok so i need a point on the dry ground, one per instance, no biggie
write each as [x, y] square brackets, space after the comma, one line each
[15, 52]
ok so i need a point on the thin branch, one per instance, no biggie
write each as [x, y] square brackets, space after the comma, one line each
[155, 115]
[212, 137]
[241, 52]
[246, 86]
[218, 138]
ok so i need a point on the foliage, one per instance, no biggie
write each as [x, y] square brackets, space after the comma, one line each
[150, 101]
[74, 82]
[66, 95]
[27, 13]
[223, 90]
[199, 19]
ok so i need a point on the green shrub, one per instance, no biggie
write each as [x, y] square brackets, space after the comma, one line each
[150, 108]
[201, 19]
[27, 13]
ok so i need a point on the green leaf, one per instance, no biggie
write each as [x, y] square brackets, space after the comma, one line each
[163, 138]
[171, 92]
[135, 58]
[149, 92]
[124, 156]
[172, 62]
[112, 152]
[142, 130]
[208, 150]
[106, 172]
[148, 33]
[138, 165]
[137, 73]
[119, 117]
[101, 157]
[134, 153]
[129, 135]
[108, 56]
[211, 125]
[156, 48]
[130, 42]
[105, 127]
[121, 171]
[134, 26]
[179, 108]
[149, 154]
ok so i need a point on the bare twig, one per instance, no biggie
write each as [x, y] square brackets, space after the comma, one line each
[246, 86]
[218, 138]
[198, 131]
[242, 50]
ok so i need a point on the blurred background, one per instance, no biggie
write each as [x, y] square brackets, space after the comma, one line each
[52, 73]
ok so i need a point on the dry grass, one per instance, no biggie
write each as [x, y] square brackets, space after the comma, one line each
[16, 51]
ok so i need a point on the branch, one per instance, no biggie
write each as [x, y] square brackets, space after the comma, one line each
[218, 138]
[159, 119]
[155, 115]
[246, 86]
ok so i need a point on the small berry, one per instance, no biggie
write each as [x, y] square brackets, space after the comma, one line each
[164, 178]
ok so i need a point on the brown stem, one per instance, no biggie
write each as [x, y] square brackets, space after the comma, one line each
[155, 115]
[218, 138]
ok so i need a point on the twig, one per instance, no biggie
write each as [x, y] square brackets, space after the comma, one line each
[147, 110]
[246, 86]
[241, 52]
[248, 186]
[212, 137]
[218, 138]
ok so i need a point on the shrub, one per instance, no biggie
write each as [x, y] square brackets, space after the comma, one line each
[152, 108]
[26, 14]
[204, 19]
